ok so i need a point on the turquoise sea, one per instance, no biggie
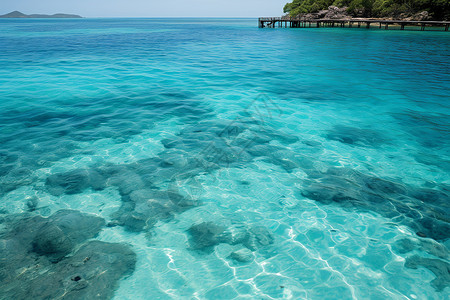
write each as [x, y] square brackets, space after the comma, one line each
[211, 159]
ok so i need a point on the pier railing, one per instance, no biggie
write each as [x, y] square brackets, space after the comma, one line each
[273, 22]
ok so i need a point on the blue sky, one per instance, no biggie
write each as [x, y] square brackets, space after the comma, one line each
[149, 8]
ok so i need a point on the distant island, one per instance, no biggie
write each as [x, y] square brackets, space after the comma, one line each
[18, 14]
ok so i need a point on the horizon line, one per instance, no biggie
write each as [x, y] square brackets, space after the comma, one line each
[88, 17]
[152, 17]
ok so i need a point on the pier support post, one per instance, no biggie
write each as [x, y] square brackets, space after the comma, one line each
[304, 23]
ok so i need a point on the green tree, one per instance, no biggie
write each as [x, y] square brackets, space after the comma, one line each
[437, 9]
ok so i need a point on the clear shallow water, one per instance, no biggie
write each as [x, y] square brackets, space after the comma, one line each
[216, 160]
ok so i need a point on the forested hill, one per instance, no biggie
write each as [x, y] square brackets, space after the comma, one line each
[437, 9]
[18, 14]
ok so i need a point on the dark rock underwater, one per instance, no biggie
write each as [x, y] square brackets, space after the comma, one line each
[49, 258]
[72, 265]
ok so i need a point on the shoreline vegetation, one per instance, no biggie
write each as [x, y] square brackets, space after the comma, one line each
[18, 14]
[408, 10]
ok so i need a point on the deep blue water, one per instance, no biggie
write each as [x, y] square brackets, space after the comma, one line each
[211, 159]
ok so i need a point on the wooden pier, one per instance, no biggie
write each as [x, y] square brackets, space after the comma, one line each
[288, 22]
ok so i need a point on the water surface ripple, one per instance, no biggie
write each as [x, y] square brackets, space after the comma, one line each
[210, 159]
